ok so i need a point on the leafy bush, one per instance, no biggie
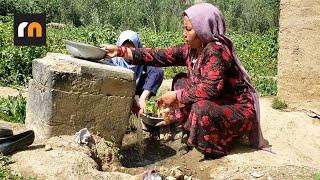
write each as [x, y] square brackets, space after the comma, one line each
[242, 15]
[115, 149]
[151, 108]
[257, 52]
[15, 61]
[278, 104]
[163, 40]
[13, 108]
[316, 176]
[256, 16]
[5, 173]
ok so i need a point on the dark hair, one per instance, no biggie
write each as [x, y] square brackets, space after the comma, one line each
[127, 41]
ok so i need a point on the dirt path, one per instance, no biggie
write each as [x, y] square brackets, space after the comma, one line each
[293, 135]
[7, 91]
[298, 57]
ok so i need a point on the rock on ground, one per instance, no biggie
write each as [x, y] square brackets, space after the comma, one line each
[65, 159]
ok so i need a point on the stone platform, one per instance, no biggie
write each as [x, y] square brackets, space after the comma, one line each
[67, 94]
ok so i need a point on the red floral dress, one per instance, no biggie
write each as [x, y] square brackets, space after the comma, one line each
[215, 104]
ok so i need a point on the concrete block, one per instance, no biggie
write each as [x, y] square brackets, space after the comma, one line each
[68, 94]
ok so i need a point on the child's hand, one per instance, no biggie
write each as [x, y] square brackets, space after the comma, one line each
[112, 50]
[142, 105]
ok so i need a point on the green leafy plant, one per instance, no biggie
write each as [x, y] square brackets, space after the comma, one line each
[151, 108]
[316, 176]
[5, 173]
[278, 104]
[13, 108]
[258, 54]
[113, 145]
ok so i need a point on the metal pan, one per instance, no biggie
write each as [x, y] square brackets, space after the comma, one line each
[84, 51]
[150, 120]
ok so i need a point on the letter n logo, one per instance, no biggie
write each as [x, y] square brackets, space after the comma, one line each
[30, 29]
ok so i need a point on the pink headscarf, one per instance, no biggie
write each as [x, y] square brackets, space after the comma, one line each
[209, 24]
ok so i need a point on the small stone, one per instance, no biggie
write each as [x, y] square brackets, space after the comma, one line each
[167, 137]
[47, 148]
[173, 170]
[172, 173]
[257, 174]
[236, 169]
[163, 169]
[161, 137]
[179, 176]
[177, 173]
[60, 145]
[269, 178]
[178, 136]
[170, 178]
[201, 169]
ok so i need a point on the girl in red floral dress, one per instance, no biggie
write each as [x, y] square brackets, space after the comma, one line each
[215, 102]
